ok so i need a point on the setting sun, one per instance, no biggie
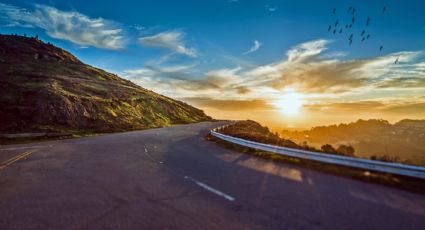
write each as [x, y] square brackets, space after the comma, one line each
[290, 104]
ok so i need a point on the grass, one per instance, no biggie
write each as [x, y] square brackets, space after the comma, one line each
[59, 91]
[401, 182]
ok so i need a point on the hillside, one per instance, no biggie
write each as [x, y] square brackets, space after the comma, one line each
[253, 131]
[47, 89]
[402, 141]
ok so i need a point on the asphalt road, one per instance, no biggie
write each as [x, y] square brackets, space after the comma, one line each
[171, 178]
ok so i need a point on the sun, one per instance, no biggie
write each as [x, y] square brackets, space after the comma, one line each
[290, 103]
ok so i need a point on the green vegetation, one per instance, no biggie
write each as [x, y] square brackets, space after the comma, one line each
[46, 89]
[401, 182]
[402, 142]
[251, 130]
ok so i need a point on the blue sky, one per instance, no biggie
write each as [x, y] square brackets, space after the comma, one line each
[212, 49]
[231, 26]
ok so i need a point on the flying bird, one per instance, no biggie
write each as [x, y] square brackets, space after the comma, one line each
[367, 21]
[351, 36]
[363, 39]
[329, 28]
[334, 31]
[350, 26]
[396, 60]
[354, 10]
[363, 32]
[340, 30]
[384, 9]
[353, 19]
[334, 11]
[336, 23]
[350, 42]
[381, 48]
[350, 8]
[368, 36]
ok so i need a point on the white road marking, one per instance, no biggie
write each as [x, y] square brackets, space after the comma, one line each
[209, 188]
[27, 147]
[16, 158]
[151, 157]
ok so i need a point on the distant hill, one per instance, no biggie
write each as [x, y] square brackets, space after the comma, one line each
[254, 131]
[404, 140]
[44, 88]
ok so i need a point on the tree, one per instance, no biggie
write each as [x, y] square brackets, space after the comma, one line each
[346, 150]
[327, 148]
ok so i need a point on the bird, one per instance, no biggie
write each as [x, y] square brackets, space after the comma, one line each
[381, 48]
[350, 42]
[340, 30]
[350, 8]
[384, 9]
[346, 26]
[363, 32]
[351, 36]
[363, 39]
[367, 21]
[334, 31]
[354, 10]
[329, 28]
[336, 23]
[353, 19]
[396, 60]
[350, 26]
[334, 11]
[368, 36]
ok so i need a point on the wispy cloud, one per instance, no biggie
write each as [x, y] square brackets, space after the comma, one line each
[66, 25]
[230, 104]
[271, 8]
[415, 106]
[172, 40]
[307, 68]
[254, 47]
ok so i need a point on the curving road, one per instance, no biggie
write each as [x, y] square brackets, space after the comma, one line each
[171, 178]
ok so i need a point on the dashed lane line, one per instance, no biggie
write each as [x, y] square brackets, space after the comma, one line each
[200, 184]
[211, 189]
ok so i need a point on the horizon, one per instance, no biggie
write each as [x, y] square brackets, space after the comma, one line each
[269, 61]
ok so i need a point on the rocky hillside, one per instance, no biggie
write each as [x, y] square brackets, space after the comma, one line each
[46, 89]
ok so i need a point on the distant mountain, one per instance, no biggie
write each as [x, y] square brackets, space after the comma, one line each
[404, 140]
[46, 89]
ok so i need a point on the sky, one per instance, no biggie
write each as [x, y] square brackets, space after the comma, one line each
[276, 62]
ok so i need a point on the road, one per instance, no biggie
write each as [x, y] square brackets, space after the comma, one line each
[171, 178]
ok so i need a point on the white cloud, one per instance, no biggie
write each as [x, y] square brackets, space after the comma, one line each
[307, 69]
[173, 40]
[271, 8]
[307, 50]
[66, 25]
[254, 47]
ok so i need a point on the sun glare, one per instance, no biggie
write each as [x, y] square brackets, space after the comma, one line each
[290, 104]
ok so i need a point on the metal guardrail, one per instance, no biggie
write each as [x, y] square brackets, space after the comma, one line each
[379, 166]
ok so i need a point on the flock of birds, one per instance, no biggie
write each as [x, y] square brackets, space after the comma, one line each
[338, 28]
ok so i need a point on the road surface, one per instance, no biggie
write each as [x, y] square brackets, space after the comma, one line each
[171, 178]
